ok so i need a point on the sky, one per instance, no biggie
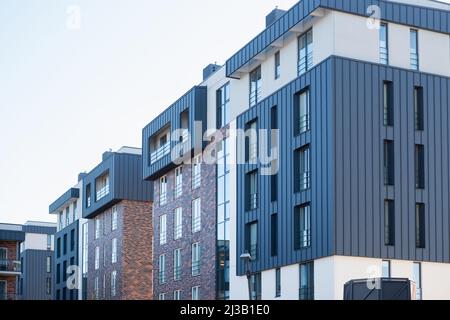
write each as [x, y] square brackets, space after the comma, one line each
[70, 91]
[80, 77]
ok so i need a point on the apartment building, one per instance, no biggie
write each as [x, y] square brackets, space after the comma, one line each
[343, 169]
[117, 203]
[11, 236]
[37, 261]
[69, 276]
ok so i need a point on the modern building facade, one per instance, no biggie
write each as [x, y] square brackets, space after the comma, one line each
[118, 205]
[37, 261]
[343, 169]
[68, 277]
[11, 236]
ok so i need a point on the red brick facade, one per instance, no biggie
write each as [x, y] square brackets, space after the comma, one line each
[11, 280]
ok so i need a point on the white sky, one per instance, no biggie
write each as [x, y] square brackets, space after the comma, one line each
[66, 96]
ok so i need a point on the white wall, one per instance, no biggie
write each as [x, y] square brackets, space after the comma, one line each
[35, 241]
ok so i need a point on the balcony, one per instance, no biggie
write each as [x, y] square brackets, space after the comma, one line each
[10, 267]
[159, 153]
[10, 296]
[101, 193]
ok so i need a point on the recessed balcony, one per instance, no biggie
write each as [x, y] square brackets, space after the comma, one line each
[10, 267]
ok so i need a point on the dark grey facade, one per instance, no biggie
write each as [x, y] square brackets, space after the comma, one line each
[36, 281]
[347, 189]
[419, 17]
[126, 183]
[194, 104]
[66, 256]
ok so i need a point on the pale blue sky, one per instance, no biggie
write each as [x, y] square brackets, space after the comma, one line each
[67, 95]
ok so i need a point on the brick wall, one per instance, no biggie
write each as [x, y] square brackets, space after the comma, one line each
[12, 281]
[134, 263]
[207, 236]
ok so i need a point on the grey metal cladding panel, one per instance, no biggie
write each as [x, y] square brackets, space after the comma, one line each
[104, 166]
[195, 101]
[128, 179]
[72, 193]
[415, 16]
[359, 187]
[321, 143]
[39, 229]
[35, 274]
[8, 235]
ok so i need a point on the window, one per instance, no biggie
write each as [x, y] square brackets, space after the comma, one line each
[196, 172]
[48, 286]
[178, 182]
[162, 296]
[278, 283]
[49, 264]
[97, 258]
[420, 166]
[305, 52]
[389, 163]
[389, 222]
[88, 196]
[252, 142]
[418, 108]
[85, 248]
[255, 282]
[113, 283]
[58, 273]
[64, 271]
[104, 286]
[67, 216]
[196, 216]
[163, 229]
[162, 269]
[255, 86]
[114, 218]
[302, 112]
[163, 191]
[58, 294]
[277, 65]
[114, 251]
[388, 104]
[58, 248]
[420, 225]
[302, 227]
[251, 239]
[75, 211]
[386, 269]
[49, 241]
[196, 259]
[223, 104]
[97, 227]
[72, 239]
[303, 169]
[102, 186]
[65, 244]
[177, 295]
[252, 190]
[274, 235]
[384, 46]
[417, 275]
[177, 264]
[414, 49]
[178, 225]
[61, 220]
[195, 293]
[96, 289]
[306, 281]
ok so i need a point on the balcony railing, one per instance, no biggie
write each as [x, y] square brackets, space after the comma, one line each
[196, 268]
[160, 152]
[305, 238]
[178, 189]
[103, 192]
[10, 296]
[414, 61]
[196, 223]
[162, 277]
[383, 55]
[305, 180]
[253, 201]
[196, 180]
[303, 123]
[255, 96]
[163, 198]
[177, 273]
[306, 293]
[10, 266]
[178, 231]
